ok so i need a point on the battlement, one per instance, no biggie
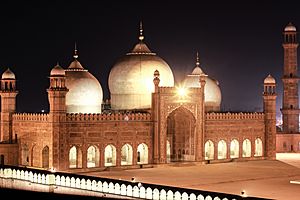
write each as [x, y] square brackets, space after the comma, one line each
[43, 117]
[174, 89]
[109, 117]
[234, 116]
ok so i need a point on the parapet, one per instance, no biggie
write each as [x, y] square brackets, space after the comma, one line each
[109, 117]
[173, 90]
[234, 116]
[42, 117]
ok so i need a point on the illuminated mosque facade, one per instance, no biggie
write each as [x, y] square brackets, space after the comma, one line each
[150, 120]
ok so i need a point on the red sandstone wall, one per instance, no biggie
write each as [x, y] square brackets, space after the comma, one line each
[35, 134]
[286, 142]
[10, 153]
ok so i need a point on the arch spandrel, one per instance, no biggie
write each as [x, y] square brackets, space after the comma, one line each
[173, 107]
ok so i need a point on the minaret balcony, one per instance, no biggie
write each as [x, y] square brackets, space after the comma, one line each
[290, 111]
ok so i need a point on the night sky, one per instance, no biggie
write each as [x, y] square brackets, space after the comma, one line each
[239, 43]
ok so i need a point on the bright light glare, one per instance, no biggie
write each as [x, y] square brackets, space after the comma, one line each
[181, 91]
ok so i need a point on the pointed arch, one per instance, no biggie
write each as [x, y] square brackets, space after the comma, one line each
[209, 150]
[45, 157]
[222, 150]
[25, 155]
[126, 154]
[258, 147]
[73, 157]
[234, 149]
[181, 127]
[35, 156]
[110, 155]
[246, 148]
[93, 156]
[142, 154]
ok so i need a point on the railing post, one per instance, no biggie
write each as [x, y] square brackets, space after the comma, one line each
[51, 182]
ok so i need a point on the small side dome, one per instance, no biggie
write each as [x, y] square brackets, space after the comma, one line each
[290, 27]
[57, 71]
[8, 74]
[269, 80]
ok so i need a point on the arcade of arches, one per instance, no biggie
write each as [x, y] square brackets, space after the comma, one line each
[180, 146]
[234, 148]
[110, 156]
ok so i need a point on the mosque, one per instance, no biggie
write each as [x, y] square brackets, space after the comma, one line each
[148, 121]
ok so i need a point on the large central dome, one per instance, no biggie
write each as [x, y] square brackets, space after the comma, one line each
[85, 92]
[131, 78]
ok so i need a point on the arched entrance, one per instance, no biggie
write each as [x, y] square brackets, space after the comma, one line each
[181, 135]
[110, 155]
[246, 148]
[93, 156]
[234, 149]
[209, 150]
[258, 147]
[45, 157]
[126, 154]
[25, 155]
[73, 157]
[35, 156]
[142, 154]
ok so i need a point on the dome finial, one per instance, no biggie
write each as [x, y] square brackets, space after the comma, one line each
[197, 60]
[141, 37]
[75, 52]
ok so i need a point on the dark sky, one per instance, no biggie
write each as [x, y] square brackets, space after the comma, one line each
[239, 42]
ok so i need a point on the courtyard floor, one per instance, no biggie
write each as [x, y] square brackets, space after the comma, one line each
[268, 179]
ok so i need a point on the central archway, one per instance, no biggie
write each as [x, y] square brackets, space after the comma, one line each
[181, 135]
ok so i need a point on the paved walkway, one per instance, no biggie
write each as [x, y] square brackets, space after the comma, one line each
[268, 179]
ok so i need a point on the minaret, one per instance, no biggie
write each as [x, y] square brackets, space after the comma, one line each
[155, 117]
[8, 94]
[290, 103]
[57, 92]
[201, 113]
[269, 98]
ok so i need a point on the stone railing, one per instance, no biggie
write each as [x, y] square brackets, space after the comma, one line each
[109, 117]
[234, 116]
[108, 186]
[42, 117]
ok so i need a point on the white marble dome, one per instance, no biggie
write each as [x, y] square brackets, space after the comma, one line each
[8, 74]
[85, 92]
[131, 78]
[212, 90]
